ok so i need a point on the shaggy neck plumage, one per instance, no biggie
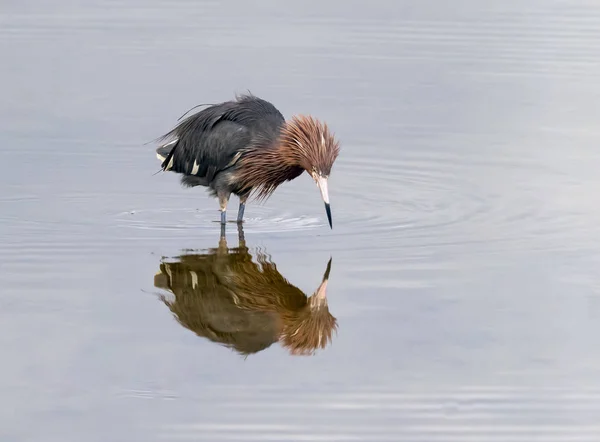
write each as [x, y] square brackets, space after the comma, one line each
[263, 169]
[303, 143]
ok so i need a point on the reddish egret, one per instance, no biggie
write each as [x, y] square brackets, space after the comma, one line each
[246, 147]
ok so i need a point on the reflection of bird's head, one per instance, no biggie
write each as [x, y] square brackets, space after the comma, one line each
[311, 327]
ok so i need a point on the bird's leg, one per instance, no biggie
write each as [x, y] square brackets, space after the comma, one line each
[223, 199]
[243, 199]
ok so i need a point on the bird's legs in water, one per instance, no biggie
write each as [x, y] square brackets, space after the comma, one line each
[243, 199]
[223, 238]
[223, 199]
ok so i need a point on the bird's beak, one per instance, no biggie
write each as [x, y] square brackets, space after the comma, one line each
[322, 184]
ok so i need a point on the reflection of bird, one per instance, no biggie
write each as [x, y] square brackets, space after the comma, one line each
[245, 146]
[225, 296]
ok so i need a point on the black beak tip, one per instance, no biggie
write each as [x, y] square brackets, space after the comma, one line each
[328, 210]
[328, 270]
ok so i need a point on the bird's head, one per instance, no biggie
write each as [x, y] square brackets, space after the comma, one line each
[310, 145]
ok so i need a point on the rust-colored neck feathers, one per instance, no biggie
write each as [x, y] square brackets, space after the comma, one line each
[304, 144]
[310, 328]
[308, 143]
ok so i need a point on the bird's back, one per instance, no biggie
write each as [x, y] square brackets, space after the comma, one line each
[212, 140]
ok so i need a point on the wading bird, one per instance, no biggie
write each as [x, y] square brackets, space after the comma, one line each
[246, 147]
[245, 304]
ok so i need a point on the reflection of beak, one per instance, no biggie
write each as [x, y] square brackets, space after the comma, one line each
[321, 292]
[322, 184]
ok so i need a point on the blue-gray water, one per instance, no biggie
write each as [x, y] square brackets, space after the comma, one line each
[465, 249]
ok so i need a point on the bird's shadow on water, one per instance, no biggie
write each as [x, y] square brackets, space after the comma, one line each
[227, 297]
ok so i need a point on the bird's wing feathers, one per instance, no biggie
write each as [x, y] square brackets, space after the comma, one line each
[212, 140]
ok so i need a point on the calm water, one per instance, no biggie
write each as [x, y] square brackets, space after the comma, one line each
[465, 250]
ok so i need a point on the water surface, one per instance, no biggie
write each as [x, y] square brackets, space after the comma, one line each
[466, 236]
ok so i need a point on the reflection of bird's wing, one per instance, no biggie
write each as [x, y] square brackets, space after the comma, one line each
[202, 304]
[262, 287]
[212, 140]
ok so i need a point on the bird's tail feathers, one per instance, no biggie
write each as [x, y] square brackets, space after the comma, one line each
[165, 154]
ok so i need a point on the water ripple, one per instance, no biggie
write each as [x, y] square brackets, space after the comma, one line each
[475, 414]
[261, 219]
[428, 200]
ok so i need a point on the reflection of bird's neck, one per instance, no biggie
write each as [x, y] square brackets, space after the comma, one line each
[319, 297]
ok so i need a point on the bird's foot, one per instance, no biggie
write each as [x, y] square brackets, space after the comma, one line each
[223, 217]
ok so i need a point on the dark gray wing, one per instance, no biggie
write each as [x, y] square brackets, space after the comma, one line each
[213, 139]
